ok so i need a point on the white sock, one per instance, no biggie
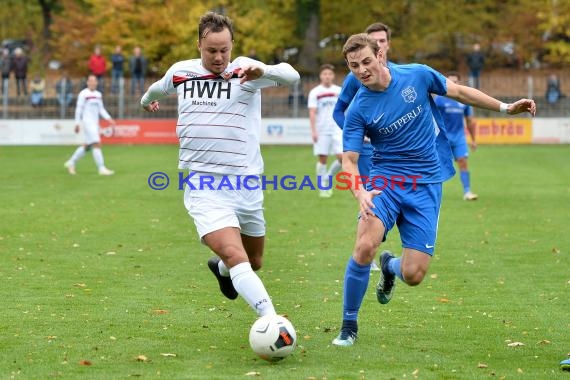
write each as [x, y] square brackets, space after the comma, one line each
[334, 168]
[249, 286]
[322, 173]
[224, 271]
[77, 155]
[98, 157]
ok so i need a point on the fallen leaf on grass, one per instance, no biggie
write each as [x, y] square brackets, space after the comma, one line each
[555, 250]
[482, 365]
[433, 276]
[544, 341]
[142, 358]
[443, 300]
[160, 311]
[85, 362]
[515, 344]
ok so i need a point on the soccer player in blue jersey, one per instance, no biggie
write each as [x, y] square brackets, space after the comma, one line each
[381, 33]
[394, 107]
[456, 116]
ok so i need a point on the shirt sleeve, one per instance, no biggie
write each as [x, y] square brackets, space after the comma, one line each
[103, 112]
[437, 82]
[161, 88]
[79, 107]
[353, 131]
[312, 99]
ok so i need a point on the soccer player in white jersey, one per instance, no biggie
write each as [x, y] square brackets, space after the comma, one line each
[394, 107]
[87, 112]
[219, 122]
[327, 137]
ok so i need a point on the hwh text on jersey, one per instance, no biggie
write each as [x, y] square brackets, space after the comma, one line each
[207, 88]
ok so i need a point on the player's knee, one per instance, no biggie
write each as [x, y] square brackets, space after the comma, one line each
[413, 277]
[364, 251]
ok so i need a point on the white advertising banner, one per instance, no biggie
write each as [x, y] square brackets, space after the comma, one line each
[551, 131]
[39, 132]
[286, 131]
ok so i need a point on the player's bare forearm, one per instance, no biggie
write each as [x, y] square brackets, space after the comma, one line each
[476, 98]
[364, 198]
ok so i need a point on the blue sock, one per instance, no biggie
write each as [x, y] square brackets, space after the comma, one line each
[355, 284]
[464, 175]
[394, 267]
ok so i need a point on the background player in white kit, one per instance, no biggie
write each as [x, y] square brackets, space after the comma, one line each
[219, 122]
[89, 108]
[327, 137]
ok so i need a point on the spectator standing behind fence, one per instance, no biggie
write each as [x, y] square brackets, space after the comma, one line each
[5, 67]
[98, 67]
[117, 69]
[137, 66]
[37, 88]
[20, 68]
[64, 90]
[475, 61]
[553, 93]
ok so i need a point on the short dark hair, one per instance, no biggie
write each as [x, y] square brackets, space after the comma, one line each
[213, 22]
[326, 66]
[359, 41]
[379, 27]
[454, 74]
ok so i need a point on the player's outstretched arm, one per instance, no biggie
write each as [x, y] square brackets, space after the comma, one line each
[150, 99]
[282, 73]
[476, 98]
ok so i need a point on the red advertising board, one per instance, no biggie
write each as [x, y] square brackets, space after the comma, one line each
[148, 131]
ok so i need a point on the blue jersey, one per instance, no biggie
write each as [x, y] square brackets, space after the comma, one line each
[404, 126]
[453, 113]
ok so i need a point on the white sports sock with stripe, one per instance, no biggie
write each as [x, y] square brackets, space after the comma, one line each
[249, 286]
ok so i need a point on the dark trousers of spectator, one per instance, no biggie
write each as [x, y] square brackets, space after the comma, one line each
[137, 81]
[5, 82]
[21, 82]
[100, 83]
[474, 78]
[116, 76]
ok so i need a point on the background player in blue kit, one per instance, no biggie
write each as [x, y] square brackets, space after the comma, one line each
[394, 107]
[456, 116]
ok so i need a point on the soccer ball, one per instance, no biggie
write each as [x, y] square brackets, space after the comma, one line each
[272, 338]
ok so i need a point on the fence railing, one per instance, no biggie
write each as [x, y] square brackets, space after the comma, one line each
[276, 102]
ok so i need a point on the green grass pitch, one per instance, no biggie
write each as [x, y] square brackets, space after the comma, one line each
[104, 278]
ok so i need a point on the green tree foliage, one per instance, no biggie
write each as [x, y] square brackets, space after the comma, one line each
[514, 33]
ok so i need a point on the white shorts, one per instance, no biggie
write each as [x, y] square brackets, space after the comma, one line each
[91, 132]
[327, 145]
[221, 207]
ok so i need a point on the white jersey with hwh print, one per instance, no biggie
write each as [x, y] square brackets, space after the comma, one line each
[90, 107]
[324, 99]
[219, 119]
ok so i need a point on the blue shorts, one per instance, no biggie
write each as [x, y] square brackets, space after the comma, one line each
[459, 149]
[415, 210]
